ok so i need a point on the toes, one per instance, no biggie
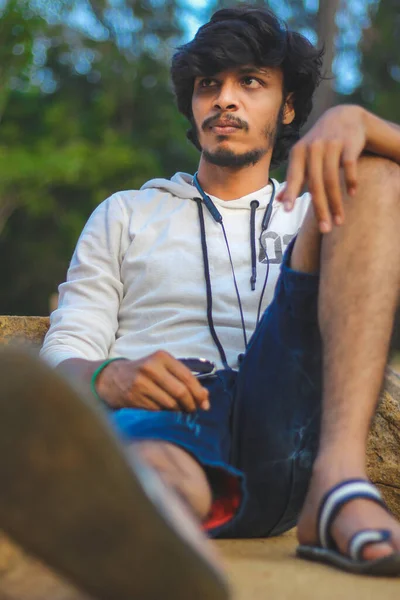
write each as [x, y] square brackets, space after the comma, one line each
[374, 551]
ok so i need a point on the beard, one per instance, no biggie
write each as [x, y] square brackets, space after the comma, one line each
[224, 157]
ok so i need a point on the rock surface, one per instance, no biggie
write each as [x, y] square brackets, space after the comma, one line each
[22, 578]
[383, 452]
[22, 330]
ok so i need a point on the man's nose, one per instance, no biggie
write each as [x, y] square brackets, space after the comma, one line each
[226, 98]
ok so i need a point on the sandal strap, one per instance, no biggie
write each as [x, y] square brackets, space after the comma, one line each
[336, 498]
[364, 538]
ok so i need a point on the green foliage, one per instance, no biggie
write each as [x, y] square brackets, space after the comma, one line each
[83, 118]
[86, 109]
[379, 89]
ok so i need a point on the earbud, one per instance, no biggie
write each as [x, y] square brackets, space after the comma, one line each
[267, 217]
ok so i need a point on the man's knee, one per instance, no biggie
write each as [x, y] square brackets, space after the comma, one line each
[378, 173]
[179, 470]
[307, 248]
[378, 193]
[377, 196]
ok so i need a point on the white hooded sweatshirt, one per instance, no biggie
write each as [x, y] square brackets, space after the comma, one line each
[136, 280]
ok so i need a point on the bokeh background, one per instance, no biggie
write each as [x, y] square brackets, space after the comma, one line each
[86, 109]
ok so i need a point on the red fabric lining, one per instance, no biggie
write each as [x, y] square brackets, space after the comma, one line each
[224, 507]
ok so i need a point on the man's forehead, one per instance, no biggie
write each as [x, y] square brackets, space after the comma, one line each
[248, 69]
[263, 70]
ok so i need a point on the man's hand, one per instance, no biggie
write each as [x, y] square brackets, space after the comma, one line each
[336, 141]
[157, 382]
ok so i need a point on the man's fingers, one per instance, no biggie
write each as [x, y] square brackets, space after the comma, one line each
[295, 176]
[197, 391]
[316, 186]
[149, 393]
[159, 372]
[332, 182]
[149, 404]
[349, 164]
[146, 403]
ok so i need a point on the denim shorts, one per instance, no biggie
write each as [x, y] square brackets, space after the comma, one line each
[261, 432]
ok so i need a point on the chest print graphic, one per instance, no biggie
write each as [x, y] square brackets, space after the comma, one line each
[275, 245]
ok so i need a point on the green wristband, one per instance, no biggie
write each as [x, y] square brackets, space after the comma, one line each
[97, 373]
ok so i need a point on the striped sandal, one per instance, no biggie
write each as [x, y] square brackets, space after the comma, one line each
[72, 496]
[327, 551]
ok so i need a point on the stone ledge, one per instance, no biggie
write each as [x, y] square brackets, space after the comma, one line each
[23, 578]
[20, 330]
[383, 452]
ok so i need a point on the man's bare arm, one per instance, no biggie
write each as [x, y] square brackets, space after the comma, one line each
[383, 137]
[79, 369]
[156, 382]
[335, 143]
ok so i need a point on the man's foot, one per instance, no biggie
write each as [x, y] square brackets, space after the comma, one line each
[74, 497]
[355, 516]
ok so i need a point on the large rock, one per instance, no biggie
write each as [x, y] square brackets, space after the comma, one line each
[22, 578]
[383, 453]
[23, 330]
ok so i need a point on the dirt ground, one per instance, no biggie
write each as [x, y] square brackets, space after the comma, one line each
[257, 570]
[269, 570]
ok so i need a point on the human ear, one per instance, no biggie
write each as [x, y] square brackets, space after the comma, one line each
[288, 109]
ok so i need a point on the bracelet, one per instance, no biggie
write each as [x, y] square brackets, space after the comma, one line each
[97, 373]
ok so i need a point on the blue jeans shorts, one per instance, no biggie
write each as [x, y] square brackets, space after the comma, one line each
[262, 429]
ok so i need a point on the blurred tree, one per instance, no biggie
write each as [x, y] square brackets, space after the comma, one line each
[326, 29]
[88, 110]
[379, 88]
[18, 29]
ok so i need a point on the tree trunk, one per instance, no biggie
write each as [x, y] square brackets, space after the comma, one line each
[326, 29]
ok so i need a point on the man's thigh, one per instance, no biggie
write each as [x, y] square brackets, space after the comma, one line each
[277, 406]
[307, 248]
[204, 434]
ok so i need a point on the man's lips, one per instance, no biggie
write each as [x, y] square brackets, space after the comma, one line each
[224, 127]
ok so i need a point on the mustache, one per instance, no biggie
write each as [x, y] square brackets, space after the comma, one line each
[236, 121]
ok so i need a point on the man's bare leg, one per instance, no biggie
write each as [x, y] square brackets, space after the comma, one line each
[359, 290]
[179, 471]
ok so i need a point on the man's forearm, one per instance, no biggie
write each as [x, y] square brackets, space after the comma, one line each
[383, 137]
[78, 369]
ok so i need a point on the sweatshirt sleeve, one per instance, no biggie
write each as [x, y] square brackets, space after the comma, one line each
[86, 320]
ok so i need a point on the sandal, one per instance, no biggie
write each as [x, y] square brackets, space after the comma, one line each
[327, 551]
[72, 496]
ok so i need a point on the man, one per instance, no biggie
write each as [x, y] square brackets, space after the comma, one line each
[178, 269]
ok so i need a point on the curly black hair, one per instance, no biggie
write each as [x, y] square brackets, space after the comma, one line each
[248, 35]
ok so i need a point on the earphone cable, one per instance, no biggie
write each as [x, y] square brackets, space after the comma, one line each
[236, 287]
[218, 218]
[254, 204]
[208, 285]
[265, 281]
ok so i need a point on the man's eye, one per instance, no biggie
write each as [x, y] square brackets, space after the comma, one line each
[251, 81]
[207, 82]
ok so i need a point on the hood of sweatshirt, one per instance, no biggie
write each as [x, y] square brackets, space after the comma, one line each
[180, 186]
